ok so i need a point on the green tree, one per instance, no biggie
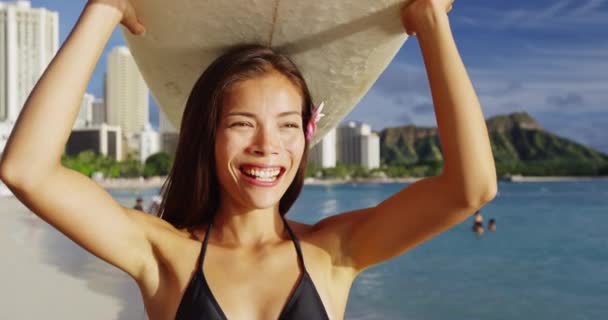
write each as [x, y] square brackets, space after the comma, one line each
[396, 171]
[359, 172]
[158, 164]
[84, 162]
[131, 168]
[339, 171]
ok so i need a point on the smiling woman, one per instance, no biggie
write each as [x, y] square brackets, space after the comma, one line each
[238, 169]
[254, 103]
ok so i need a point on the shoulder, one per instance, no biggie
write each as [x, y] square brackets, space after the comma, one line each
[331, 234]
[324, 246]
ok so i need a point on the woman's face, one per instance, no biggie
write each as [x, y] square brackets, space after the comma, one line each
[259, 142]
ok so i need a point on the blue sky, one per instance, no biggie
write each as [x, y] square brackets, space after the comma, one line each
[548, 58]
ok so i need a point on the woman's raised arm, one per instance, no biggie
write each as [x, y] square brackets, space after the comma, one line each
[31, 164]
[468, 180]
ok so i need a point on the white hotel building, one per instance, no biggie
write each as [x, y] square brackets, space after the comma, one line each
[358, 145]
[352, 143]
[127, 98]
[29, 39]
[323, 154]
[85, 115]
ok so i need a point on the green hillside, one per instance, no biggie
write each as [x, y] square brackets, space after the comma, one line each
[518, 144]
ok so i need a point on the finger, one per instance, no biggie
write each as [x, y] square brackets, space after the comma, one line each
[141, 29]
[132, 23]
[135, 27]
[137, 30]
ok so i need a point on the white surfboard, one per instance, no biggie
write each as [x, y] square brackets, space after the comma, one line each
[341, 47]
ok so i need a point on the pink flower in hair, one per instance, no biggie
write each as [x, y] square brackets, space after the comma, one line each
[311, 127]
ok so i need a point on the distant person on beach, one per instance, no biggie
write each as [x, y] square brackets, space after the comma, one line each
[492, 225]
[139, 204]
[222, 246]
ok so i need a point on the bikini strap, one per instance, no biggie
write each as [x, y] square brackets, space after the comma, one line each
[201, 256]
[296, 243]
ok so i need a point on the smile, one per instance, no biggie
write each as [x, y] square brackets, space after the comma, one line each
[262, 176]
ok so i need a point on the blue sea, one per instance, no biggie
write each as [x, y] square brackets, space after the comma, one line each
[548, 258]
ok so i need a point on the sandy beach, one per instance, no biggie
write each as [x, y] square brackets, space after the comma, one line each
[44, 275]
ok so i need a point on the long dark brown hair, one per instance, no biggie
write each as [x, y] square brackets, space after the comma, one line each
[191, 193]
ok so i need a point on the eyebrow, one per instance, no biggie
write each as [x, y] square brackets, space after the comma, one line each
[251, 115]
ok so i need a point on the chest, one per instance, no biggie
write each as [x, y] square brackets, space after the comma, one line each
[252, 286]
[245, 285]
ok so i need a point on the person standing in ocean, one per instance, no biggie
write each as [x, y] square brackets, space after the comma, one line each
[478, 223]
[139, 204]
[478, 217]
[222, 247]
[492, 224]
[155, 202]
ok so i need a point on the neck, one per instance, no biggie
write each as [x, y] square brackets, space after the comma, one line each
[235, 226]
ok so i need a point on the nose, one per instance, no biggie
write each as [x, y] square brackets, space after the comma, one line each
[266, 142]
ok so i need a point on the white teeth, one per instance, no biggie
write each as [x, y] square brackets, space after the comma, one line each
[263, 174]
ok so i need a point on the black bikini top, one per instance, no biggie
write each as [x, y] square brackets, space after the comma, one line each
[198, 302]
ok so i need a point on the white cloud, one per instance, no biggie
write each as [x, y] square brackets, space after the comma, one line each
[549, 83]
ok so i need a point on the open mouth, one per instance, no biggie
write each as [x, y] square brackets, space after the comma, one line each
[263, 174]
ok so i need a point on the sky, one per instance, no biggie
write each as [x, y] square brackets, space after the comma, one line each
[546, 58]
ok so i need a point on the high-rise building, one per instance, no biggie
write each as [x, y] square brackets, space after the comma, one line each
[127, 95]
[351, 143]
[358, 145]
[99, 112]
[149, 143]
[29, 39]
[370, 151]
[85, 116]
[323, 154]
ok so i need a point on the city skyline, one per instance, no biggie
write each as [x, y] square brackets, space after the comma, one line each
[546, 58]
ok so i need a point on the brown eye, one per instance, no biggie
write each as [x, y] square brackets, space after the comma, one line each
[292, 125]
[241, 124]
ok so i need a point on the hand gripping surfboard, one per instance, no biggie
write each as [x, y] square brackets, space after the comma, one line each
[341, 47]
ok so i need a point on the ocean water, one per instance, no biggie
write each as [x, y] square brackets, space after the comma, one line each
[548, 258]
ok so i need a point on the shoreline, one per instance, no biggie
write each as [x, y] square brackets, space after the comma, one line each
[129, 183]
[322, 182]
[520, 178]
[157, 182]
